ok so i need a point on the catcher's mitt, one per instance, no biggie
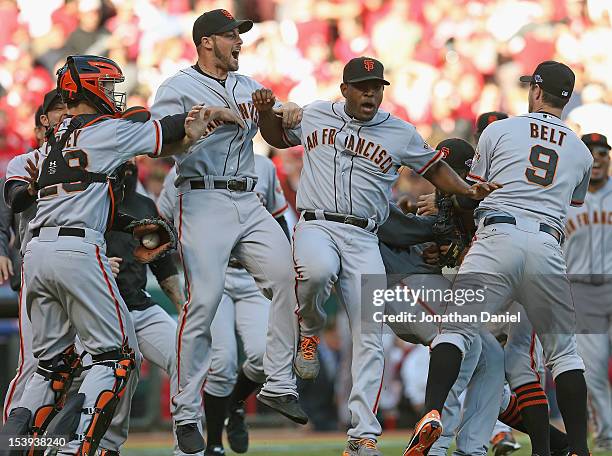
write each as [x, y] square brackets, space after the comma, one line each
[167, 238]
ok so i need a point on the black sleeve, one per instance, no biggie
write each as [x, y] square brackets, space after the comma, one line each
[404, 230]
[121, 221]
[163, 267]
[173, 128]
[18, 197]
[283, 223]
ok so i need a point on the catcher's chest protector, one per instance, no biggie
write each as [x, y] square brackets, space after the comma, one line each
[58, 169]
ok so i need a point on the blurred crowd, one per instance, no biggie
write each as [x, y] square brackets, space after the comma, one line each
[447, 60]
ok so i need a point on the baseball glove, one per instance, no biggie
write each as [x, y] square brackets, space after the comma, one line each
[167, 238]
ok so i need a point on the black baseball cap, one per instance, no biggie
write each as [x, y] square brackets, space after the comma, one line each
[363, 69]
[487, 118]
[217, 21]
[554, 78]
[51, 98]
[595, 139]
[457, 153]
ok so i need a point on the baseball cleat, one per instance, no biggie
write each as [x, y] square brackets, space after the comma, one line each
[215, 451]
[189, 439]
[287, 405]
[361, 447]
[237, 430]
[504, 443]
[306, 363]
[426, 432]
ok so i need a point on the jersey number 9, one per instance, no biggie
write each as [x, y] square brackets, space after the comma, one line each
[544, 167]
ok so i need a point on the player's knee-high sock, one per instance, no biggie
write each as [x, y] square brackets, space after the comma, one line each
[444, 366]
[571, 398]
[533, 405]
[243, 388]
[512, 417]
[215, 408]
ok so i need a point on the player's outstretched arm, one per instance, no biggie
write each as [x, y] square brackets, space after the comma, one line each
[448, 181]
[273, 120]
[195, 124]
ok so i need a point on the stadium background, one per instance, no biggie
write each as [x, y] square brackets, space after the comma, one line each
[447, 60]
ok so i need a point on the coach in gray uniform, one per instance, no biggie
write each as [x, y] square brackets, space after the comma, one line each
[219, 215]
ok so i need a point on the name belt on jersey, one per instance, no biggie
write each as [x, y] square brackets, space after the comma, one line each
[358, 146]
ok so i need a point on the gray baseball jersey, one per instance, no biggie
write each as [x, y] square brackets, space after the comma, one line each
[350, 166]
[101, 148]
[589, 235]
[228, 152]
[542, 164]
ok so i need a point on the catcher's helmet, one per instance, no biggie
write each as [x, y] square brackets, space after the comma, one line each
[91, 78]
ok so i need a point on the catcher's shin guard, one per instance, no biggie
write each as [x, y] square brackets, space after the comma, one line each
[60, 371]
[17, 424]
[122, 361]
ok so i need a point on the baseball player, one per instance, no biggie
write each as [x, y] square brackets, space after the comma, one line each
[219, 215]
[352, 153]
[245, 308]
[589, 264]
[17, 175]
[544, 168]
[522, 351]
[74, 209]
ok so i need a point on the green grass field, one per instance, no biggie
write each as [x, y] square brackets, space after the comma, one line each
[266, 443]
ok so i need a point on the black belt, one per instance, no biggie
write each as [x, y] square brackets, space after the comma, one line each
[234, 185]
[63, 231]
[554, 232]
[341, 218]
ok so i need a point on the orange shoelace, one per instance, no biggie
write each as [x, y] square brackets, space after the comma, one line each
[308, 346]
[368, 443]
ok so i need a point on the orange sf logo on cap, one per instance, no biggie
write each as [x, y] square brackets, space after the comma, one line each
[368, 64]
[445, 152]
[595, 137]
[492, 118]
[227, 14]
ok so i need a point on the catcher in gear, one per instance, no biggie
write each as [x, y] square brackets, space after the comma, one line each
[75, 208]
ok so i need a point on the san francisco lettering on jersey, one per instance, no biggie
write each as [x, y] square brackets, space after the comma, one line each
[361, 147]
[588, 218]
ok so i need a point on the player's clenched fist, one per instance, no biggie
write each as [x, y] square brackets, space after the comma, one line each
[198, 119]
[263, 100]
